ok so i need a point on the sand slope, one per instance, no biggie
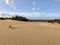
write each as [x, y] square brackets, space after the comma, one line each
[29, 33]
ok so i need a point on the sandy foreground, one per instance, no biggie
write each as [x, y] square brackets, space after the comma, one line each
[29, 33]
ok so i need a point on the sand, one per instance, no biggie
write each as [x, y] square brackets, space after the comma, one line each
[29, 33]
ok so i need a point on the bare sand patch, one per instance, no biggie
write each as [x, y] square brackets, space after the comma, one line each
[29, 33]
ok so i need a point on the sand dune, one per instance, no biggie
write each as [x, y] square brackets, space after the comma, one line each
[29, 33]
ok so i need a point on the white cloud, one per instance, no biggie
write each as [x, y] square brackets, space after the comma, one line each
[10, 3]
[32, 15]
[33, 3]
[36, 9]
[33, 9]
[4, 14]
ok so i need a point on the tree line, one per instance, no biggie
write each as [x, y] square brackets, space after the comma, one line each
[20, 18]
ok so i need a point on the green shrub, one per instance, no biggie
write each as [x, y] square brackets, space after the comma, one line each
[20, 18]
[50, 21]
[1, 18]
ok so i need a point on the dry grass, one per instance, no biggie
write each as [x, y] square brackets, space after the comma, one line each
[29, 33]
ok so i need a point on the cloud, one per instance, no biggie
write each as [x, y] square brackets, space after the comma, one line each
[33, 9]
[4, 14]
[36, 9]
[33, 3]
[10, 3]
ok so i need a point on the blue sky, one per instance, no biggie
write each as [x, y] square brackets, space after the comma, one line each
[32, 9]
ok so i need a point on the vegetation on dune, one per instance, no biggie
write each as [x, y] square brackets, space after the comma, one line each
[54, 21]
[19, 18]
[49, 21]
[2, 18]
